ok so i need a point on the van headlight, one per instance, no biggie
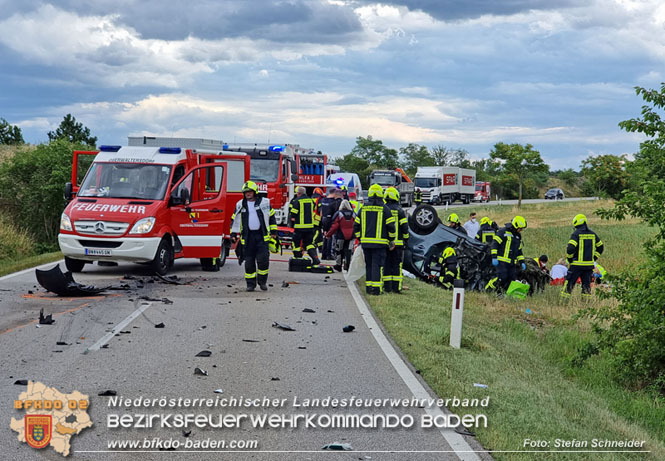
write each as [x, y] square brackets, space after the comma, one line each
[143, 226]
[65, 222]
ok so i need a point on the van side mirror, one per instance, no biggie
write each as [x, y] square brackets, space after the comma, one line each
[294, 167]
[69, 191]
[181, 199]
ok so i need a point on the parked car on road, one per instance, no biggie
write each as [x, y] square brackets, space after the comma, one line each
[554, 194]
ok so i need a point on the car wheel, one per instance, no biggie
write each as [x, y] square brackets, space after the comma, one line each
[424, 219]
[163, 258]
[74, 265]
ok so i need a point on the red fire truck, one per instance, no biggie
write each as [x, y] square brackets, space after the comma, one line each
[152, 205]
[277, 168]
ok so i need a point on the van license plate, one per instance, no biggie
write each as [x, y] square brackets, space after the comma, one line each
[97, 252]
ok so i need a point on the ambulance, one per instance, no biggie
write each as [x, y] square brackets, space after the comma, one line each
[152, 205]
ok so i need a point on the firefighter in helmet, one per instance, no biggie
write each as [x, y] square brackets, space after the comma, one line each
[301, 217]
[584, 248]
[449, 269]
[507, 254]
[454, 222]
[375, 228]
[392, 274]
[253, 222]
[487, 230]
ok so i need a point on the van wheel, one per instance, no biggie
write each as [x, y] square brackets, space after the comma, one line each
[163, 259]
[74, 265]
[424, 219]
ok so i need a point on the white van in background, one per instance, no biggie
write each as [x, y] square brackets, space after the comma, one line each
[350, 180]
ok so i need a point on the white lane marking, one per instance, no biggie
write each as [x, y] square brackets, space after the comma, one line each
[462, 449]
[116, 329]
[25, 271]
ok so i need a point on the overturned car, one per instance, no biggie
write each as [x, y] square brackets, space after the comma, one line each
[428, 237]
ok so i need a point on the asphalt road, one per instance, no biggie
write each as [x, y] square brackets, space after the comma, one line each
[250, 358]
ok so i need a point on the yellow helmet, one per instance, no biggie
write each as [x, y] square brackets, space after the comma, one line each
[392, 194]
[485, 220]
[448, 252]
[375, 191]
[579, 220]
[250, 185]
[453, 218]
[519, 222]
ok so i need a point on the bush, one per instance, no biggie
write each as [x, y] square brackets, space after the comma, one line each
[31, 188]
[633, 331]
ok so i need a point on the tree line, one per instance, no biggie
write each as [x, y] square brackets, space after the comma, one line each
[516, 171]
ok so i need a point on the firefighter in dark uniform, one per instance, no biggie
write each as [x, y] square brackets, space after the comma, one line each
[392, 274]
[449, 268]
[375, 228]
[318, 236]
[584, 247]
[454, 222]
[487, 231]
[301, 217]
[254, 221]
[507, 254]
[417, 197]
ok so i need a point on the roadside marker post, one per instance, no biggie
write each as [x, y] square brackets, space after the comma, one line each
[456, 314]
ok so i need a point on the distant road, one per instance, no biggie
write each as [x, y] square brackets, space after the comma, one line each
[513, 202]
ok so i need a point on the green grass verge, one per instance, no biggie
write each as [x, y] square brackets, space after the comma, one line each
[10, 266]
[536, 390]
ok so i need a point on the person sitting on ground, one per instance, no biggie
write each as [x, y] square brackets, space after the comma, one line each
[559, 272]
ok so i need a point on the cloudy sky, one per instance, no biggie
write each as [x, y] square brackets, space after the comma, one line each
[558, 74]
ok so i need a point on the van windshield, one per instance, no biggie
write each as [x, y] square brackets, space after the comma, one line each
[264, 169]
[126, 180]
[427, 182]
[384, 179]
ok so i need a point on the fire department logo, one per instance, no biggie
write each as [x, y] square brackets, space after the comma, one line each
[194, 217]
[38, 430]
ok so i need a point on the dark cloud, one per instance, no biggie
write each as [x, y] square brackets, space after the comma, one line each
[450, 10]
[309, 21]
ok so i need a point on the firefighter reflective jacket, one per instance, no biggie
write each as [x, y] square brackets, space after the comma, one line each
[401, 223]
[448, 263]
[301, 212]
[486, 234]
[584, 247]
[375, 224]
[266, 216]
[507, 245]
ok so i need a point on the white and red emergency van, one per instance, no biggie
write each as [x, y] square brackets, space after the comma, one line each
[152, 205]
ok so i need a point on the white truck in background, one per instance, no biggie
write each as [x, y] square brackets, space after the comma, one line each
[441, 184]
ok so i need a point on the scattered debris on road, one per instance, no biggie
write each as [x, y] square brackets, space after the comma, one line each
[171, 279]
[203, 354]
[198, 371]
[160, 325]
[338, 446]
[283, 326]
[45, 320]
[251, 340]
[186, 433]
[348, 329]
[107, 393]
[55, 281]
[285, 284]
[219, 391]
[21, 382]
[162, 300]
[274, 379]
[62, 343]
[309, 311]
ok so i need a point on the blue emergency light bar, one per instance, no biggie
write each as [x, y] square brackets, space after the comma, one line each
[276, 148]
[169, 150]
[109, 148]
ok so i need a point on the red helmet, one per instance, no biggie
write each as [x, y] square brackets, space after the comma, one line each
[352, 195]
[318, 191]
